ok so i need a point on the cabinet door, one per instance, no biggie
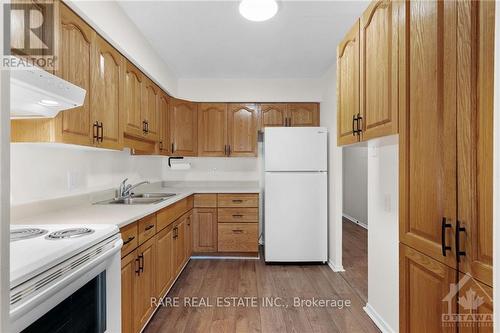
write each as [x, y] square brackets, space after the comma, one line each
[205, 230]
[212, 129]
[164, 138]
[428, 135]
[184, 128]
[164, 260]
[426, 294]
[379, 69]
[242, 129]
[145, 282]
[348, 86]
[273, 115]
[132, 101]
[303, 114]
[74, 65]
[106, 92]
[189, 235]
[179, 245]
[130, 269]
[475, 300]
[151, 114]
[475, 146]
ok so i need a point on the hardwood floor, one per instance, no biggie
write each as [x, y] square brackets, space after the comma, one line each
[258, 281]
[355, 257]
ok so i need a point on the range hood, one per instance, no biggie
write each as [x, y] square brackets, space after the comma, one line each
[35, 93]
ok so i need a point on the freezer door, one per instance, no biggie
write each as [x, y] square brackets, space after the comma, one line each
[295, 222]
[295, 149]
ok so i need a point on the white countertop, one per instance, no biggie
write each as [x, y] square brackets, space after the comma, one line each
[81, 210]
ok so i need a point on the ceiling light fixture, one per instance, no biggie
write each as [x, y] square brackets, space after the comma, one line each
[258, 10]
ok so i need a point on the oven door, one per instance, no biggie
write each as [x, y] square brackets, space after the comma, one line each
[83, 294]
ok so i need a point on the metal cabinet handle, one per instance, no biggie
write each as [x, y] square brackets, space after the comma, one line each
[354, 130]
[237, 200]
[237, 231]
[444, 225]
[160, 145]
[141, 262]
[359, 124]
[131, 238]
[149, 227]
[101, 138]
[172, 148]
[147, 127]
[138, 266]
[228, 150]
[237, 215]
[144, 127]
[95, 132]
[458, 230]
[225, 150]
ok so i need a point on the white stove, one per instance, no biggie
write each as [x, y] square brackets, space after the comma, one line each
[50, 263]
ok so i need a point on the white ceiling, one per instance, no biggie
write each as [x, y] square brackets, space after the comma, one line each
[209, 39]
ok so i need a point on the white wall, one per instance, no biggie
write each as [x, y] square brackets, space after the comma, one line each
[214, 169]
[354, 183]
[329, 120]
[251, 90]
[383, 237]
[43, 171]
[108, 18]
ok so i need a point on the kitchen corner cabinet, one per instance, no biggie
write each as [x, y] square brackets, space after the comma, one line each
[164, 135]
[183, 128]
[379, 70]
[348, 87]
[243, 125]
[212, 129]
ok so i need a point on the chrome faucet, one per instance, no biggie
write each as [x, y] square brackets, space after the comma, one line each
[125, 189]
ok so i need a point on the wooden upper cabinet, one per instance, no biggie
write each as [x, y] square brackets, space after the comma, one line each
[164, 137]
[151, 115]
[425, 293]
[303, 114]
[106, 93]
[348, 86]
[379, 69]
[212, 129]
[74, 65]
[132, 101]
[273, 115]
[475, 137]
[242, 129]
[428, 127]
[184, 128]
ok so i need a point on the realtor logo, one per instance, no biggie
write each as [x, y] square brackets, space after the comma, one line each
[31, 28]
[467, 304]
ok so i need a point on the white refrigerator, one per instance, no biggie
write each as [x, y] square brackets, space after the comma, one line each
[295, 194]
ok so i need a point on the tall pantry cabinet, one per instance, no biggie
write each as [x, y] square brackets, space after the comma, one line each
[446, 117]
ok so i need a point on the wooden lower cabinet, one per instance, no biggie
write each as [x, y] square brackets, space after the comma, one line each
[179, 244]
[145, 283]
[238, 237]
[164, 260]
[475, 299]
[188, 243]
[129, 273]
[424, 288]
[205, 230]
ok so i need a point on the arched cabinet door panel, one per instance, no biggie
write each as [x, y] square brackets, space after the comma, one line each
[242, 129]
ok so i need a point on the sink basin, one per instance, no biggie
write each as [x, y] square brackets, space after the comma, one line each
[154, 195]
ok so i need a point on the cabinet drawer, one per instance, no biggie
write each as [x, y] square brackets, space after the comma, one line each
[205, 200]
[130, 238]
[171, 213]
[147, 228]
[238, 200]
[238, 237]
[238, 215]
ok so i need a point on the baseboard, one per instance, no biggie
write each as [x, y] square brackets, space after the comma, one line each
[377, 319]
[336, 268]
[353, 220]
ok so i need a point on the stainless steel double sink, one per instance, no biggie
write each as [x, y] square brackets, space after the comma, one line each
[138, 199]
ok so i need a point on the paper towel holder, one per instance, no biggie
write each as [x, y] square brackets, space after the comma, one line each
[174, 158]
